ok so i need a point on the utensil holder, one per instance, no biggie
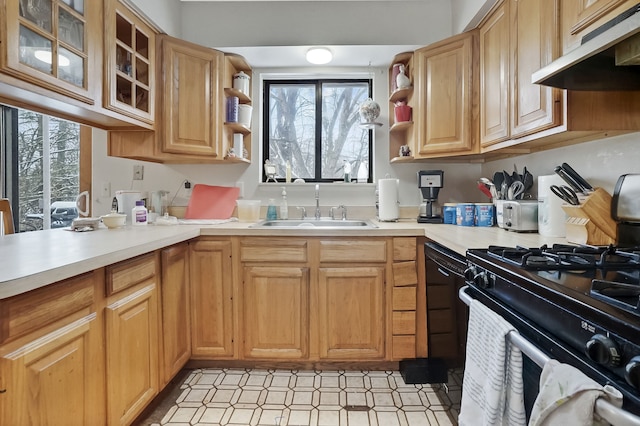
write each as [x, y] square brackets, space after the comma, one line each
[591, 222]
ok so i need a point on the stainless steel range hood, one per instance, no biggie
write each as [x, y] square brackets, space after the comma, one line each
[608, 59]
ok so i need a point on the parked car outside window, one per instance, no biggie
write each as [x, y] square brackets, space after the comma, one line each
[62, 214]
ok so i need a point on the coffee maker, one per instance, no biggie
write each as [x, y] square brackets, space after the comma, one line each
[429, 182]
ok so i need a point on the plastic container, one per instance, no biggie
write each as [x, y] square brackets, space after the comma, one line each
[465, 214]
[248, 210]
[484, 214]
[139, 214]
[449, 213]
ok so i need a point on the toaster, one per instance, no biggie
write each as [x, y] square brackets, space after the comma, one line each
[520, 215]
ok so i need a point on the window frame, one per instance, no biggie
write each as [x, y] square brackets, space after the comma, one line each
[318, 82]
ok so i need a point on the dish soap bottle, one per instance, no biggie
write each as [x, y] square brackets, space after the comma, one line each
[272, 214]
[139, 214]
[284, 208]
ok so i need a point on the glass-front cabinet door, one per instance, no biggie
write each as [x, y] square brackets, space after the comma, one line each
[129, 56]
[47, 44]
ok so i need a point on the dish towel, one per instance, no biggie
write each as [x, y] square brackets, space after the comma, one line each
[568, 397]
[492, 388]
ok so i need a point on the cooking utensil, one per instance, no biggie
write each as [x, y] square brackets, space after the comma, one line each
[515, 190]
[527, 179]
[489, 184]
[565, 193]
[485, 190]
[497, 182]
[568, 179]
[586, 187]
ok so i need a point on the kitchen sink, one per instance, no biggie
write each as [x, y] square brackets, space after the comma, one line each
[313, 223]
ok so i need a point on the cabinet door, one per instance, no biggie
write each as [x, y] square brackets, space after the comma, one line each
[192, 85]
[535, 44]
[132, 353]
[129, 58]
[351, 312]
[444, 88]
[494, 77]
[54, 379]
[52, 43]
[276, 312]
[176, 308]
[579, 17]
[211, 299]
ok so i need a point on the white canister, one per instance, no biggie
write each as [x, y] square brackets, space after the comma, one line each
[551, 217]
[241, 82]
[388, 209]
[244, 114]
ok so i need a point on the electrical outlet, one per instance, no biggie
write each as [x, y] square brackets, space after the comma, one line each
[241, 186]
[106, 189]
[138, 172]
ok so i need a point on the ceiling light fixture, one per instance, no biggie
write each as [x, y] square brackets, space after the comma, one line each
[45, 56]
[319, 55]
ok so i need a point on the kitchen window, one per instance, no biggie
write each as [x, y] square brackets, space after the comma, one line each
[313, 125]
[46, 164]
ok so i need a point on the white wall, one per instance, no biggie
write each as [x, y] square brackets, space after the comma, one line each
[164, 13]
[466, 14]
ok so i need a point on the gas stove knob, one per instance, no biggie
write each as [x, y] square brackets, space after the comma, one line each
[632, 372]
[469, 273]
[603, 350]
[481, 280]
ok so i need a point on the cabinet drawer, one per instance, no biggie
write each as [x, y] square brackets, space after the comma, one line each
[403, 347]
[130, 272]
[353, 251]
[404, 322]
[404, 249]
[405, 273]
[27, 312]
[404, 298]
[273, 250]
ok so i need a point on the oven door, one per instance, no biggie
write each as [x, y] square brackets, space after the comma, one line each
[547, 347]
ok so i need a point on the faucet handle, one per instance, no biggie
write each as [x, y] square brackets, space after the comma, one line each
[332, 212]
[304, 212]
[344, 211]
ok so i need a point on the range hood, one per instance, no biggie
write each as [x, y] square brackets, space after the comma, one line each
[607, 59]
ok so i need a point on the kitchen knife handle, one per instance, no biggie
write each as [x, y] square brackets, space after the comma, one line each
[576, 176]
[569, 180]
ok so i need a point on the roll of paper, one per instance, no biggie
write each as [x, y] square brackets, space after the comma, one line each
[388, 199]
[551, 217]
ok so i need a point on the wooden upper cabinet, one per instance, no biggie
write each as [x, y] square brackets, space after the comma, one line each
[192, 114]
[444, 86]
[534, 44]
[494, 77]
[579, 17]
[129, 60]
[53, 44]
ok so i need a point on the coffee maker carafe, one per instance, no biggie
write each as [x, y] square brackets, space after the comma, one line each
[429, 182]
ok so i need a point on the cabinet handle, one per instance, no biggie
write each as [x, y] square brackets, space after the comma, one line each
[3, 390]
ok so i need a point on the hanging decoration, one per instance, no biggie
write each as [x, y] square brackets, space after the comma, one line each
[369, 111]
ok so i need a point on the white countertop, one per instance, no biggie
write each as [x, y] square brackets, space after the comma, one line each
[32, 260]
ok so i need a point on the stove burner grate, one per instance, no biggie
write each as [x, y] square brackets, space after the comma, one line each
[625, 296]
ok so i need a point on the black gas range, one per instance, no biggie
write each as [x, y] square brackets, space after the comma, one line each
[581, 305]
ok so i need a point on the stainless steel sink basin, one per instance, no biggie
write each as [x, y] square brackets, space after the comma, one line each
[317, 224]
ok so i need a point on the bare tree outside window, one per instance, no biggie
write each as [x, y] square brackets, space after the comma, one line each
[313, 125]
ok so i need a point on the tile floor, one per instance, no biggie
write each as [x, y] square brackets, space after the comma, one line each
[327, 398]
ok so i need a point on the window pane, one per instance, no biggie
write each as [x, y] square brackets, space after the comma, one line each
[292, 131]
[48, 171]
[342, 138]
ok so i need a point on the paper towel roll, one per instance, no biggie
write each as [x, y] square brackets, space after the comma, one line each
[388, 199]
[551, 217]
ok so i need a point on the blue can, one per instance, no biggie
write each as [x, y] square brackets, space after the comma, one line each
[465, 214]
[449, 213]
[484, 214]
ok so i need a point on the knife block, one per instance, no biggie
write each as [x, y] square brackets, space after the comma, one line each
[591, 222]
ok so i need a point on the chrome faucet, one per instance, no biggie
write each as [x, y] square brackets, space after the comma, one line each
[303, 214]
[317, 202]
[344, 212]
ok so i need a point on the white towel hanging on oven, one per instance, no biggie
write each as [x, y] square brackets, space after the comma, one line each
[492, 388]
[568, 397]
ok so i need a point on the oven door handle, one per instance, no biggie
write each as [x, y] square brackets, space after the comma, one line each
[614, 415]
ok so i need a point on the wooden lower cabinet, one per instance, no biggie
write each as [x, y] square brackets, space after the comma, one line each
[211, 270]
[351, 312]
[132, 348]
[51, 360]
[175, 310]
[276, 312]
